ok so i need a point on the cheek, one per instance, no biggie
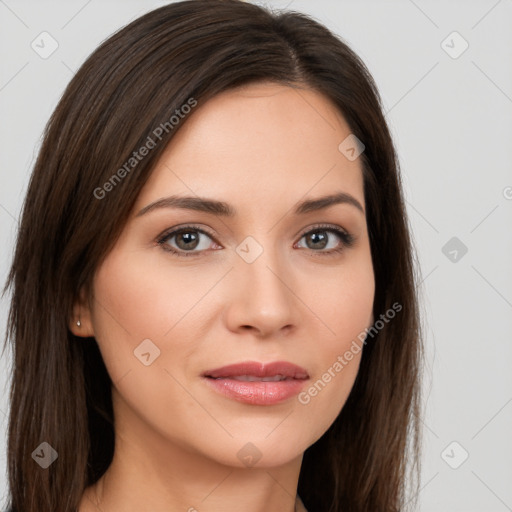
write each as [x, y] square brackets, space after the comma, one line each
[328, 391]
[345, 308]
[140, 297]
[142, 330]
[131, 304]
[343, 301]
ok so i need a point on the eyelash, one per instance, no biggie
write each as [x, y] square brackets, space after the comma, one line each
[347, 240]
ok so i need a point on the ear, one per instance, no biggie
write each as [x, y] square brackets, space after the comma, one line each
[82, 314]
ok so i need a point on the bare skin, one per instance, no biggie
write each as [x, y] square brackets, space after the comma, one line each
[261, 148]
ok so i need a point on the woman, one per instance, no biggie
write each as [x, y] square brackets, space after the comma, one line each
[213, 285]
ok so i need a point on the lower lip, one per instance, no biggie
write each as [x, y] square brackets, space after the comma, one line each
[257, 392]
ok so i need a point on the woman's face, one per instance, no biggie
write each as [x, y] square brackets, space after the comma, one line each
[265, 284]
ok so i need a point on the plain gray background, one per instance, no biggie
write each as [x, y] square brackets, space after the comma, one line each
[450, 112]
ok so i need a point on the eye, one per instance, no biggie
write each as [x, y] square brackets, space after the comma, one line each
[187, 238]
[186, 241]
[318, 239]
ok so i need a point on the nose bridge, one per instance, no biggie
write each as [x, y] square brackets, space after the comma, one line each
[259, 266]
[264, 299]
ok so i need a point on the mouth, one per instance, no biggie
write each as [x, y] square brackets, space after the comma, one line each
[278, 370]
[257, 383]
[252, 378]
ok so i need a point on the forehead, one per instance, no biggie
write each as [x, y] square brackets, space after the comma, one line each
[260, 142]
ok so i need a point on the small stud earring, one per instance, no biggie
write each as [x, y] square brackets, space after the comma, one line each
[78, 323]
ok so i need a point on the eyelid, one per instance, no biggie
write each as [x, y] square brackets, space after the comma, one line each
[318, 227]
[185, 227]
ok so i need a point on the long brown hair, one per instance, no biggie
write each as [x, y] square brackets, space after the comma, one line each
[134, 82]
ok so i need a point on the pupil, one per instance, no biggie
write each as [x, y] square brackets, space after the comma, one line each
[189, 237]
[322, 238]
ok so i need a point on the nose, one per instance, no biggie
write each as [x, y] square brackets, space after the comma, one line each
[262, 297]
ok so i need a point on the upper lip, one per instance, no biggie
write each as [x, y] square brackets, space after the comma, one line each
[256, 369]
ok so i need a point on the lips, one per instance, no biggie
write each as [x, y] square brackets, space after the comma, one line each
[279, 370]
[257, 383]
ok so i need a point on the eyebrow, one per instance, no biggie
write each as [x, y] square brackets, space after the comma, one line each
[224, 209]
